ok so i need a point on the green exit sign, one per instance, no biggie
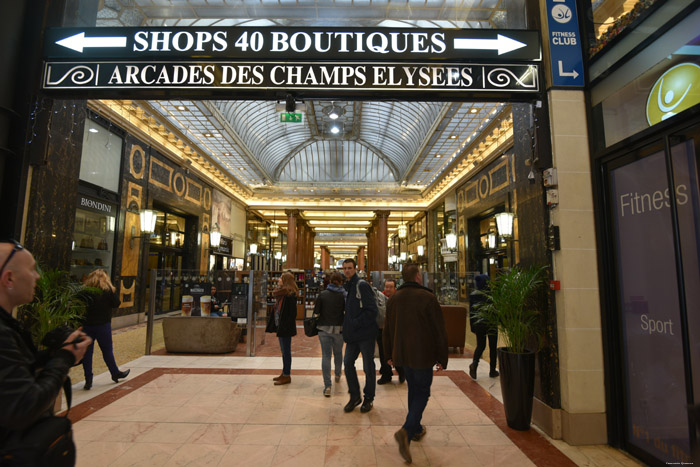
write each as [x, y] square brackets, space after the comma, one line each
[291, 117]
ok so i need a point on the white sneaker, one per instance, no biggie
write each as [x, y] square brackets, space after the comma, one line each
[327, 391]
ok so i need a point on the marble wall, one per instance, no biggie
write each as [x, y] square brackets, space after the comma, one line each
[504, 182]
[54, 186]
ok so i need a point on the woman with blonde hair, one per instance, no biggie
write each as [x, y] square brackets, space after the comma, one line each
[284, 320]
[98, 324]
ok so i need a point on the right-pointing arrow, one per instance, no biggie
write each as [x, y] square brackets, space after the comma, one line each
[503, 44]
[571, 73]
[78, 41]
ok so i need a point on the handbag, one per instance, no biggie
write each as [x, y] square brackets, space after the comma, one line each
[310, 328]
[271, 326]
[49, 442]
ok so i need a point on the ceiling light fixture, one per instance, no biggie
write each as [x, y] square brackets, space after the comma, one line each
[335, 130]
[333, 111]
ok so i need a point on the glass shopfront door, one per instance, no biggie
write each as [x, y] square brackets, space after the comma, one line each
[657, 272]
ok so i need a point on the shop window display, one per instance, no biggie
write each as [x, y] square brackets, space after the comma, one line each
[93, 241]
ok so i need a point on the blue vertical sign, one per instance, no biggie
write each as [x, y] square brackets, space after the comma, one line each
[566, 59]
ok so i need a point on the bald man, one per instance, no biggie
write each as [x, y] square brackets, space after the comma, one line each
[27, 394]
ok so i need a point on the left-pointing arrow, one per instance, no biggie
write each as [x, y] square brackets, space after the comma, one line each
[78, 42]
[503, 44]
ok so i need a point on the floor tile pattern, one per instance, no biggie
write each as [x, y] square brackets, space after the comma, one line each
[231, 416]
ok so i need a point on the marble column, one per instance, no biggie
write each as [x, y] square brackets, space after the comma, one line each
[361, 258]
[370, 249]
[292, 215]
[380, 241]
[301, 243]
[312, 250]
[325, 258]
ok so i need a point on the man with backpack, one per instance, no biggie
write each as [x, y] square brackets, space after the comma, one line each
[384, 368]
[359, 333]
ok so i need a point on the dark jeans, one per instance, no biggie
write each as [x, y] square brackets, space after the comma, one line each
[419, 381]
[286, 346]
[384, 367]
[102, 334]
[352, 351]
[481, 345]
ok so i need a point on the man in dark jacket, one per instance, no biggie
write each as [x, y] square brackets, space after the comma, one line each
[359, 333]
[415, 339]
[27, 394]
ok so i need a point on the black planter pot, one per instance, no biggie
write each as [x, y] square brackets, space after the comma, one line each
[517, 386]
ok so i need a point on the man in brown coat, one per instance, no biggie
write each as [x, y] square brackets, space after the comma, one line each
[415, 339]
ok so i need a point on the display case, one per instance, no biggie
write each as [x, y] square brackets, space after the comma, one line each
[93, 237]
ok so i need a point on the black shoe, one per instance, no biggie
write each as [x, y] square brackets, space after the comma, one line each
[384, 380]
[401, 438]
[88, 384]
[121, 375]
[494, 373]
[402, 378]
[472, 370]
[350, 406]
[366, 405]
[419, 436]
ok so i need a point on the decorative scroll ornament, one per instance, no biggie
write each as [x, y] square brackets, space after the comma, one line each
[80, 74]
[502, 77]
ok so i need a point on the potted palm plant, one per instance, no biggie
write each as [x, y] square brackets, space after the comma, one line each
[57, 302]
[511, 308]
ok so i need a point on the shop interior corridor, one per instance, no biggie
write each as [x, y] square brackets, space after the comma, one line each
[224, 410]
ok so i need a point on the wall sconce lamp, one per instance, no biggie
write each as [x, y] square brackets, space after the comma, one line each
[492, 240]
[421, 250]
[253, 248]
[504, 222]
[278, 255]
[451, 240]
[148, 219]
[402, 257]
[215, 236]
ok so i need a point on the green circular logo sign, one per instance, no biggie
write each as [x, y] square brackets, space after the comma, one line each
[676, 90]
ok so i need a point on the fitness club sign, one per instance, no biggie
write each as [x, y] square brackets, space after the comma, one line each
[353, 61]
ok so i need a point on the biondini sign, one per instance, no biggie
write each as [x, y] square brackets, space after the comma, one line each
[355, 61]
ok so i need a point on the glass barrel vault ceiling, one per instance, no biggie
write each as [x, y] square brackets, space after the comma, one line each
[381, 148]
[382, 145]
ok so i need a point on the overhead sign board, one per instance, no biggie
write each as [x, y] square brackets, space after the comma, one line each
[196, 62]
[565, 43]
[246, 43]
[225, 76]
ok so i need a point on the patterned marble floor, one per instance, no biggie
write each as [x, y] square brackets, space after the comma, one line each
[238, 417]
[225, 410]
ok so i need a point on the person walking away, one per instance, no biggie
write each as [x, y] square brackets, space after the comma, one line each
[359, 333]
[384, 368]
[481, 330]
[330, 308]
[98, 325]
[415, 339]
[29, 380]
[285, 316]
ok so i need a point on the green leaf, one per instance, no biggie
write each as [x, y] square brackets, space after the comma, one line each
[510, 307]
